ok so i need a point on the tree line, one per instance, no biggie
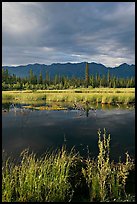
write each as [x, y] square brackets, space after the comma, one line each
[12, 82]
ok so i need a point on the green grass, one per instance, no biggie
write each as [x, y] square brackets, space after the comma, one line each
[97, 95]
[23, 96]
[55, 107]
[106, 180]
[44, 179]
[54, 177]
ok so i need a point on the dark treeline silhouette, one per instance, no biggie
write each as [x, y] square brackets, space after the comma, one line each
[12, 82]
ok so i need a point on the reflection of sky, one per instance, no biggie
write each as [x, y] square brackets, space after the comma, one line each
[44, 129]
[115, 112]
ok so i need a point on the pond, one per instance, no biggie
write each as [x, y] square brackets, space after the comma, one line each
[42, 130]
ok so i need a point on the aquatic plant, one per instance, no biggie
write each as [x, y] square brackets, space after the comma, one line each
[55, 176]
[44, 179]
[106, 180]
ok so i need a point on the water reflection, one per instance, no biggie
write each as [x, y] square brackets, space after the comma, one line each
[46, 129]
[6, 106]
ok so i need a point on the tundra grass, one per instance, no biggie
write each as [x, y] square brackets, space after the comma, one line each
[48, 179]
[22, 96]
[91, 90]
[104, 96]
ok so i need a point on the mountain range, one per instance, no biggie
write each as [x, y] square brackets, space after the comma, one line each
[72, 69]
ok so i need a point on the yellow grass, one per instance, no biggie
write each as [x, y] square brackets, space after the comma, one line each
[97, 95]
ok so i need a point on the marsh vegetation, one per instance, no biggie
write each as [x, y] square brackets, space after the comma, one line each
[54, 177]
[64, 175]
[98, 95]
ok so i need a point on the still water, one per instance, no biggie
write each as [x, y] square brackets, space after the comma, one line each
[42, 130]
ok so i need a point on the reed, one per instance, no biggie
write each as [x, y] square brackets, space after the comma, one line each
[44, 179]
[106, 180]
[54, 177]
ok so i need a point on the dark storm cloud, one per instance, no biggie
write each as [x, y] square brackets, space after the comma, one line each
[47, 32]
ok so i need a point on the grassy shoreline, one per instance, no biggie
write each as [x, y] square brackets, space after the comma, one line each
[97, 95]
[59, 175]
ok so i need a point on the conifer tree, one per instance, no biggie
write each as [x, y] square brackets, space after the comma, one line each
[40, 78]
[87, 74]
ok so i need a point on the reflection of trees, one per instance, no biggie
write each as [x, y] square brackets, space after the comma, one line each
[6, 106]
[86, 108]
[89, 108]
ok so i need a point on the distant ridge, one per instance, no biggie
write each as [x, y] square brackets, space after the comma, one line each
[72, 69]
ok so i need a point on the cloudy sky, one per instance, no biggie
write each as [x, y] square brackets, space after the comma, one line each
[50, 32]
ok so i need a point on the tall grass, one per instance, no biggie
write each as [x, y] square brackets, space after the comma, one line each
[90, 90]
[106, 95]
[35, 180]
[22, 96]
[106, 180]
[54, 177]
[107, 98]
